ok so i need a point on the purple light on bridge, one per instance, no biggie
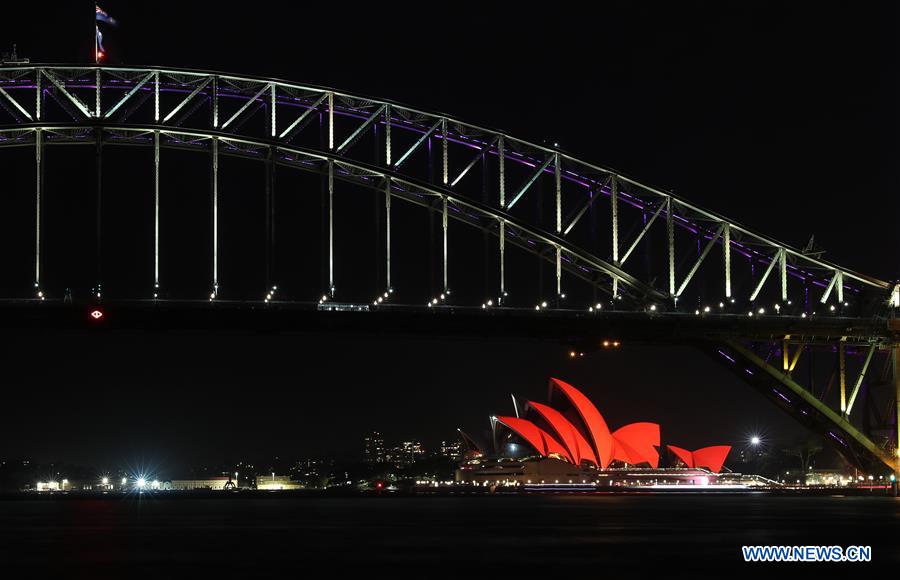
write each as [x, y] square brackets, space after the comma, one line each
[780, 394]
[836, 438]
[303, 102]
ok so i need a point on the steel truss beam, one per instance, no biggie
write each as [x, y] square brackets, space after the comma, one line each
[472, 213]
[836, 281]
[580, 175]
[642, 233]
[530, 182]
[566, 249]
[583, 176]
[593, 194]
[16, 104]
[836, 421]
[79, 104]
[186, 100]
[696, 266]
[246, 106]
[475, 159]
[127, 96]
[859, 379]
[301, 121]
[772, 262]
[415, 145]
[359, 130]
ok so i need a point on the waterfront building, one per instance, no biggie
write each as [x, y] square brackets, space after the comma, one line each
[275, 482]
[571, 442]
[210, 483]
[48, 486]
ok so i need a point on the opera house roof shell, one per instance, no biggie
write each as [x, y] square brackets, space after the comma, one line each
[580, 435]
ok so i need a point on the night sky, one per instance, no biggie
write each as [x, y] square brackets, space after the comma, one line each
[781, 118]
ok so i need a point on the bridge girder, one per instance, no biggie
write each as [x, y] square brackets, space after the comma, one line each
[577, 182]
[103, 105]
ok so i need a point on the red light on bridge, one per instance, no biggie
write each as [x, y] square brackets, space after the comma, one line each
[96, 314]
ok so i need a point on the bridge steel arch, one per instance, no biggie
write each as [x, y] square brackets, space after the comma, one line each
[212, 112]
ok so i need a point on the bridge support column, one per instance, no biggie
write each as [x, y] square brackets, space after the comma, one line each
[38, 198]
[726, 248]
[99, 213]
[270, 219]
[670, 236]
[330, 226]
[501, 160]
[557, 177]
[842, 370]
[444, 156]
[215, 102]
[559, 292]
[215, 217]
[444, 228]
[97, 94]
[614, 207]
[156, 211]
[331, 121]
[387, 233]
[387, 135]
[38, 94]
[804, 403]
[500, 300]
[782, 267]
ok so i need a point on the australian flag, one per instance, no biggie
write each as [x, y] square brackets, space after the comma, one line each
[102, 16]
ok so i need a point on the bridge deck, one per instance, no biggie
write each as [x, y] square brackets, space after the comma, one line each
[575, 327]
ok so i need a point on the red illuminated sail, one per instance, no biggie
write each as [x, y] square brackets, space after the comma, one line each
[578, 447]
[543, 442]
[597, 429]
[636, 443]
[712, 458]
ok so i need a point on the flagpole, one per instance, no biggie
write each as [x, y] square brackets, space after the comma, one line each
[96, 44]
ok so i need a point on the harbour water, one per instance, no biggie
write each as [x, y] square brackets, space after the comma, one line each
[461, 536]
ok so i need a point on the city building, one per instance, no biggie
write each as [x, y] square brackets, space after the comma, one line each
[312, 473]
[275, 482]
[407, 453]
[452, 449]
[373, 451]
[51, 485]
[571, 442]
[825, 477]
[211, 483]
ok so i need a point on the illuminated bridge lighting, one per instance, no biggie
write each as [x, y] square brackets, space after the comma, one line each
[656, 295]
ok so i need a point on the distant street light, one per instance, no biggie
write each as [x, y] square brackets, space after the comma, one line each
[755, 440]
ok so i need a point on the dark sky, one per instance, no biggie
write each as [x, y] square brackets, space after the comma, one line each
[783, 118]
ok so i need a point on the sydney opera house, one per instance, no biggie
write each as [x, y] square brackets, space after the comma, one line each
[569, 442]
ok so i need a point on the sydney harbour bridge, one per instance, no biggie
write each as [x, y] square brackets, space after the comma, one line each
[474, 232]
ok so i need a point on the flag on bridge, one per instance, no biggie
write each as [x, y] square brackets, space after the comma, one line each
[101, 16]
